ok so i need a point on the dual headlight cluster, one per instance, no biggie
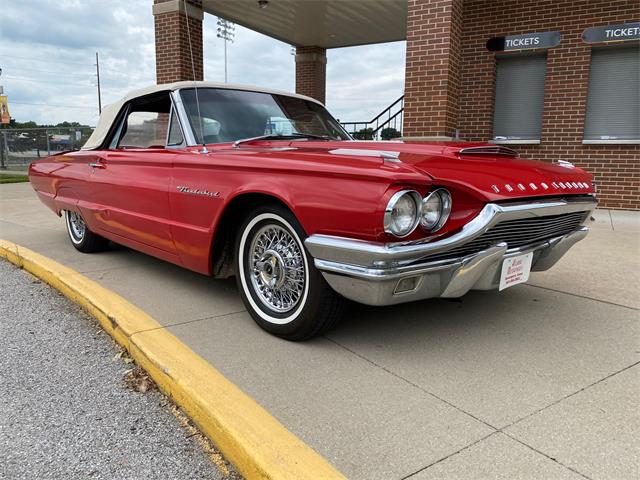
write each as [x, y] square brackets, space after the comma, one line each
[406, 209]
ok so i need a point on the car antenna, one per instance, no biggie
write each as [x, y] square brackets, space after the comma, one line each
[195, 84]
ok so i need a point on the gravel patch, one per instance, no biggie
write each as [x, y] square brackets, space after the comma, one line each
[73, 405]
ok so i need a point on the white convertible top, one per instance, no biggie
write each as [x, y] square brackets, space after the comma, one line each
[110, 112]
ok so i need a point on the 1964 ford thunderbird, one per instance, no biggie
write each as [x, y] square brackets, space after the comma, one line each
[267, 186]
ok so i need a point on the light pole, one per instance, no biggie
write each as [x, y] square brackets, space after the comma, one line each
[226, 31]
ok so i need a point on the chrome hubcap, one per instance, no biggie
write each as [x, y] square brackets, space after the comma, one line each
[277, 268]
[77, 225]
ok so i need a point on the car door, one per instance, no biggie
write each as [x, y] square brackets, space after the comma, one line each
[129, 182]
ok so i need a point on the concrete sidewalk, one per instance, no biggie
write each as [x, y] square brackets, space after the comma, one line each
[538, 381]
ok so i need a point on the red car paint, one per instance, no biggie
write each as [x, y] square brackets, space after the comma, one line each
[333, 187]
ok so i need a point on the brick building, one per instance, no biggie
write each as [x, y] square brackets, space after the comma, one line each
[555, 79]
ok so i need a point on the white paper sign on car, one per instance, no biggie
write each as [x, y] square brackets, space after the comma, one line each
[515, 270]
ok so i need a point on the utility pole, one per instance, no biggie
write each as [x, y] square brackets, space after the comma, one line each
[226, 31]
[98, 75]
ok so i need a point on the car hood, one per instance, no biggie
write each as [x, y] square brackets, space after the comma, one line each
[496, 176]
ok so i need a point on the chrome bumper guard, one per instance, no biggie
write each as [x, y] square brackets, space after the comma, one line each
[387, 274]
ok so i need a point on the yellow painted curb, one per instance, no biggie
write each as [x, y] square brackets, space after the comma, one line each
[254, 441]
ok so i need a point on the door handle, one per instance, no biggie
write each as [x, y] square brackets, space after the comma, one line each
[97, 165]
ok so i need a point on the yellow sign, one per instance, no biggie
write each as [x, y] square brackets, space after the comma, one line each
[4, 110]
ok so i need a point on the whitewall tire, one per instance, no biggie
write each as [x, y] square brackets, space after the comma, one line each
[83, 239]
[281, 288]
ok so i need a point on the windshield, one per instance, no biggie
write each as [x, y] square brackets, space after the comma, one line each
[230, 115]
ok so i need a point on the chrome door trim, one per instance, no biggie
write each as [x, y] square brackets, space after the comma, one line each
[187, 133]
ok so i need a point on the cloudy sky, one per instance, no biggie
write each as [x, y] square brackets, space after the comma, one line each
[47, 56]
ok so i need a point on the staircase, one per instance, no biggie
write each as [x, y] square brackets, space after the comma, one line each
[380, 127]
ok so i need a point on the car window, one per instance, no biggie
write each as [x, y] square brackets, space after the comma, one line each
[175, 133]
[146, 123]
[145, 129]
[279, 126]
[224, 115]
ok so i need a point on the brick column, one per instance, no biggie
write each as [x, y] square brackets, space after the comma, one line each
[311, 72]
[173, 55]
[432, 78]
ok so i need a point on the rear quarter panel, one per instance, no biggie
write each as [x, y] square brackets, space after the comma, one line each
[61, 180]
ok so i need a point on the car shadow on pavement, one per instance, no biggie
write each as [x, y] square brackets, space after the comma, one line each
[437, 317]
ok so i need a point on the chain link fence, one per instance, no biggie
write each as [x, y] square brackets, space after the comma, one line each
[21, 146]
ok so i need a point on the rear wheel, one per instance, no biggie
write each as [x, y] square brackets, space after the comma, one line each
[81, 237]
[279, 284]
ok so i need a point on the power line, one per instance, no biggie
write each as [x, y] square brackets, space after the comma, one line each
[47, 82]
[52, 72]
[54, 61]
[45, 60]
[51, 105]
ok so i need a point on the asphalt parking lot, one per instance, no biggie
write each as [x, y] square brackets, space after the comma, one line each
[66, 411]
[538, 381]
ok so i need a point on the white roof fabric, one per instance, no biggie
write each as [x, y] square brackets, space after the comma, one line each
[110, 112]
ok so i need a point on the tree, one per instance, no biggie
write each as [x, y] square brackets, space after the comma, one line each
[389, 133]
[14, 124]
[364, 134]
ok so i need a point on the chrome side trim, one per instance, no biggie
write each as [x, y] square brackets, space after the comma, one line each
[378, 255]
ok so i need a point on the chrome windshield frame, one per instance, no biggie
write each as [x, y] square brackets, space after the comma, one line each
[190, 137]
[187, 132]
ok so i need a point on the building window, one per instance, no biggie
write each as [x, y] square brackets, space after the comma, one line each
[519, 98]
[613, 103]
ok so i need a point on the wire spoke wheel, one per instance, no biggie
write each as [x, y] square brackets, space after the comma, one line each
[283, 291]
[77, 227]
[277, 268]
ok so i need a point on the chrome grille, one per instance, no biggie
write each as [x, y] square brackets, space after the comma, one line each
[518, 233]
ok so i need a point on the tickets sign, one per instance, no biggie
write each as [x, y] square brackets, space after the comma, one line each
[612, 33]
[526, 41]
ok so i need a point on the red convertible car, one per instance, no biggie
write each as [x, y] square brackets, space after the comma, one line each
[267, 186]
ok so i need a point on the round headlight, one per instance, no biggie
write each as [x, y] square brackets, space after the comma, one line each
[436, 208]
[402, 214]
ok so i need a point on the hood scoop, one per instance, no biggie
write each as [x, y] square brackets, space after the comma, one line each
[489, 150]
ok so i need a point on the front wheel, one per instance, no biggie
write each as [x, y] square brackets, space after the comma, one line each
[279, 284]
[81, 237]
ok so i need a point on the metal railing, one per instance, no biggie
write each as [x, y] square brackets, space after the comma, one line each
[385, 126]
[21, 146]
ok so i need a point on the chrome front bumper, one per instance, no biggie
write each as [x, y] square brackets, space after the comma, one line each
[387, 274]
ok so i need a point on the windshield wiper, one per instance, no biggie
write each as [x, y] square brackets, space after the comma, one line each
[288, 136]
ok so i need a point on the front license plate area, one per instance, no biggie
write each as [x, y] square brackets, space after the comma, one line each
[515, 270]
